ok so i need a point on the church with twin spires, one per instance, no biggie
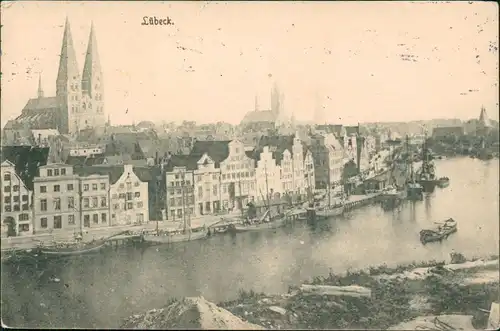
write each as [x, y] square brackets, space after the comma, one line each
[79, 100]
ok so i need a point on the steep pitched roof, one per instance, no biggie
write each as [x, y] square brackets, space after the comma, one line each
[281, 143]
[43, 118]
[336, 129]
[218, 150]
[114, 172]
[42, 103]
[188, 161]
[27, 160]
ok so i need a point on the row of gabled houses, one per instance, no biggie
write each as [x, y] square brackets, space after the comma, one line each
[214, 177]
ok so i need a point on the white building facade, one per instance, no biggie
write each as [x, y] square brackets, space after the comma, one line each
[56, 199]
[267, 176]
[15, 203]
[129, 199]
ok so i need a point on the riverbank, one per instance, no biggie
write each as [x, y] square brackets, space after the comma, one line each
[378, 298]
[31, 241]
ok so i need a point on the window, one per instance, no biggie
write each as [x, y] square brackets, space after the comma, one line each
[25, 206]
[139, 204]
[122, 196]
[122, 185]
[24, 227]
[129, 186]
[103, 202]
[7, 199]
[129, 196]
[117, 205]
[71, 219]
[8, 208]
[57, 222]
[215, 189]
[94, 187]
[200, 192]
[86, 202]
[49, 172]
[16, 208]
[140, 218]
[137, 194]
[63, 172]
[103, 218]
[71, 202]
[94, 202]
[70, 187]
[6, 177]
[103, 186]
[130, 205]
[43, 205]
[115, 196]
[24, 217]
[16, 188]
[85, 187]
[136, 184]
[25, 197]
[57, 204]
[172, 202]
[86, 221]
[43, 222]
[95, 218]
[57, 188]
[43, 189]
[56, 172]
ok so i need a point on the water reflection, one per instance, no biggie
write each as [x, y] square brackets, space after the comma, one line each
[102, 289]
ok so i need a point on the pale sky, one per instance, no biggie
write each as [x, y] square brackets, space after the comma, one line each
[347, 53]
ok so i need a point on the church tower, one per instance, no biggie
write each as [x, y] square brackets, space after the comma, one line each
[92, 86]
[40, 90]
[68, 85]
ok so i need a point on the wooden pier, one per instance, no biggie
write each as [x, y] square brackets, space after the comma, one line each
[361, 201]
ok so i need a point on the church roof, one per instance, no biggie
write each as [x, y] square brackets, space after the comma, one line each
[114, 172]
[41, 104]
[39, 119]
[259, 116]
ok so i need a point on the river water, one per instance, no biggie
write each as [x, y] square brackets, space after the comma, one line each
[99, 291]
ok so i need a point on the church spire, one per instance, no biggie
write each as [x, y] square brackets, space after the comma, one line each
[40, 90]
[92, 66]
[68, 67]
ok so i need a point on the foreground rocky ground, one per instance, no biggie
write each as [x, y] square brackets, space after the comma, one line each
[432, 295]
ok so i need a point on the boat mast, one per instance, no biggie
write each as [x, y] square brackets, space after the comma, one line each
[267, 189]
[80, 198]
[183, 201]
[329, 184]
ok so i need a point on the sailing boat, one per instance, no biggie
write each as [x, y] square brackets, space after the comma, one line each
[186, 233]
[426, 176]
[329, 210]
[413, 189]
[264, 222]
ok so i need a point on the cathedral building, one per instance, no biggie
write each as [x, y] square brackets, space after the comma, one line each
[266, 119]
[79, 100]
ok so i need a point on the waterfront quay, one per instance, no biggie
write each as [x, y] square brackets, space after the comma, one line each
[32, 241]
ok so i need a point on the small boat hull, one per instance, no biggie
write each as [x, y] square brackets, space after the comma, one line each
[428, 236]
[330, 212]
[174, 238]
[442, 183]
[428, 186]
[73, 251]
[258, 226]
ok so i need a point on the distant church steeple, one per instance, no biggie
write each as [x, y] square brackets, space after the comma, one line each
[40, 90]
[68, 68]
[92, 67]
